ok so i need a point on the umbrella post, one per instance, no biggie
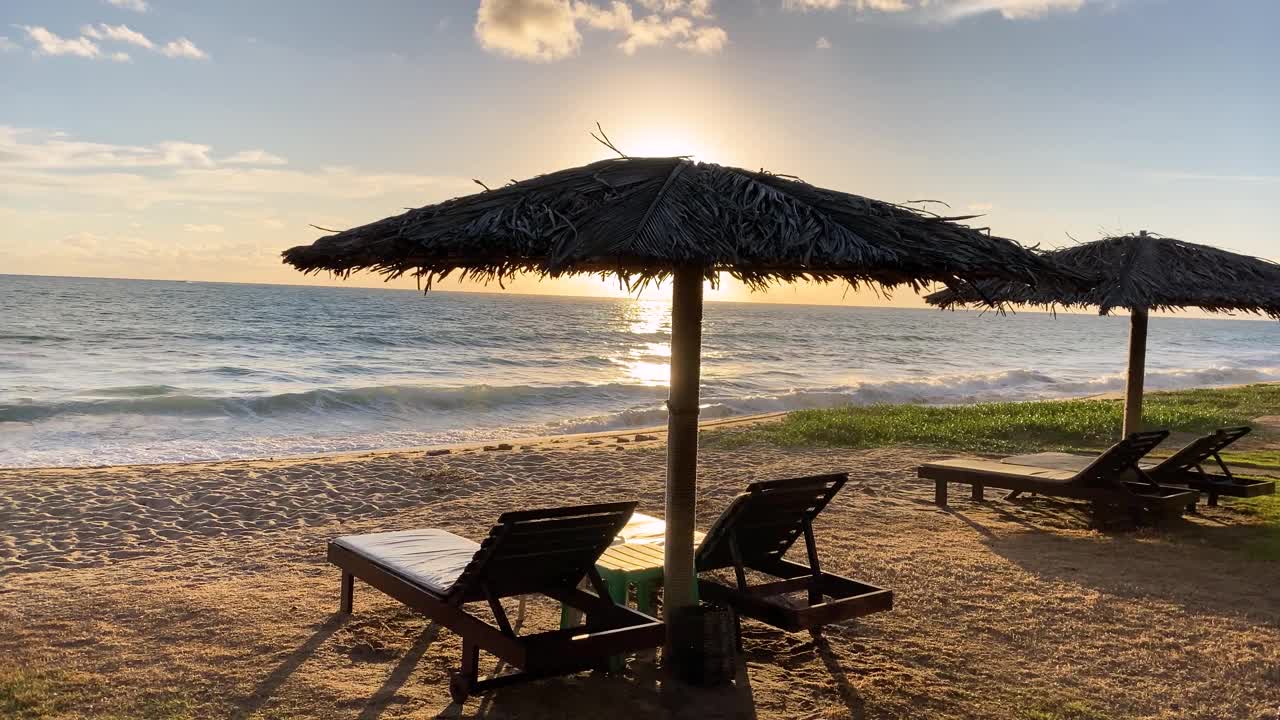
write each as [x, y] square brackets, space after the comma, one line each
[1137, 371]
[682, 440]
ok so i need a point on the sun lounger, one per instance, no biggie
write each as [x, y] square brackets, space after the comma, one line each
[528, 552]
[1113, 478]
[755, 532]
[1185, 467]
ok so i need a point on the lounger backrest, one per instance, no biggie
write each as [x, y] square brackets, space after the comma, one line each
[532, 551]
[1120, 458]
[1201, 450]
[766, 520]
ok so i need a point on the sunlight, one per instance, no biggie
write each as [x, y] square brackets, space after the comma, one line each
[668, 142]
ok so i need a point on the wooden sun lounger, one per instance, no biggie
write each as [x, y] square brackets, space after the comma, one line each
[755, 532]
[528, 552]
[1185, 467]
[1113, 478]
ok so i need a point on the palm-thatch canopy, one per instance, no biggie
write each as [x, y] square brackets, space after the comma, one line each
[640, 217]
[1140, 272]
[644, 219]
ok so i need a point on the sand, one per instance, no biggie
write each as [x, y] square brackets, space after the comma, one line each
[201, 591]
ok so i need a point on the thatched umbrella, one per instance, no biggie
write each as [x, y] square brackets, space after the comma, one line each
[1139, 273]
[647, 219]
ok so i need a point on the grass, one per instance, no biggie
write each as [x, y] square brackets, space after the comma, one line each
[1069, 710]
[27, 694]
[1010, 427]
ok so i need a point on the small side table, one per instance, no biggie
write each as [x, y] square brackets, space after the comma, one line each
[636, 558]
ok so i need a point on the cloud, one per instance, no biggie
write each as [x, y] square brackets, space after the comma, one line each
[541, 30]
[548, 30]
[7, 45]
[254, 157]
[49, 43]
[43, 164]
[823, 43]
[948, 10]
[134, 5]
[120, 33]
[706, 40]
[183, 48]
[203, 228]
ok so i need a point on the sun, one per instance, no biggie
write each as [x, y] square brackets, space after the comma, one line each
[669, 142]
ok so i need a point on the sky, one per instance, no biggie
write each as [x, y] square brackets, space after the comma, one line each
[193, 140]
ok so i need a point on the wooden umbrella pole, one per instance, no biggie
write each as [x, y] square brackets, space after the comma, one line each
[1137, 371]
[682, 440]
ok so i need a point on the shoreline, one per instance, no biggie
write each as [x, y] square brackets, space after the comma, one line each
[659, 431]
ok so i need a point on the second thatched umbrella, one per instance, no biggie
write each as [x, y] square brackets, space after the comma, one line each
[647, 219]
[1140, 273]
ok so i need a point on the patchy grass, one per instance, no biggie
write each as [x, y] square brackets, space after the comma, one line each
[1069, 710]
[25, 694]
[35, 694]
[1008, 427]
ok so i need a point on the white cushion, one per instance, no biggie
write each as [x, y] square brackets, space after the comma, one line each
[433, 559]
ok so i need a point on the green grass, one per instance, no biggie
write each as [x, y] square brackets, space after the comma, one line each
[1009, 427]
[27, 694]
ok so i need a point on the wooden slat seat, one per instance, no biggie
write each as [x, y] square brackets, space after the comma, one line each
[756, 531]
[545, 552]
[1114, 478]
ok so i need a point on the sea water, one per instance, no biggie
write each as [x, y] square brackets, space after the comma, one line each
[99, 372]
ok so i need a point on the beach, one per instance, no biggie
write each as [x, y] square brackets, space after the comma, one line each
[201, 590]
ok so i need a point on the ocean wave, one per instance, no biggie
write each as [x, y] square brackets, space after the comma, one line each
[381, 400]
[1008, 385]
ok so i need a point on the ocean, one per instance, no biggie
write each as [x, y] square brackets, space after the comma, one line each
[96, 372]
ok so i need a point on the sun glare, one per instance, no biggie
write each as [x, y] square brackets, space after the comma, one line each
[668, 142]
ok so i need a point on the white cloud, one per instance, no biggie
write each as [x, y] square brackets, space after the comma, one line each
[49, 43]
[823, 43]
[254, 157]
[45, 150]
[948, 10]
[120, 33]
[134, 5]
[706, 40]
[540, 30]
[183, 48]
[44, 164]
[547, 30]
[203, 228]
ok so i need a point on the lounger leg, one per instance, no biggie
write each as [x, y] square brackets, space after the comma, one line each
[940, 493]
[977, 493]
[1213, 498]
[348, 591]
[464, 682]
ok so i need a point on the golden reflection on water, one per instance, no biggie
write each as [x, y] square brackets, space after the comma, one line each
[647, 317]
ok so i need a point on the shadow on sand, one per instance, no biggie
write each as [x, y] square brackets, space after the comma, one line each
[266, 689]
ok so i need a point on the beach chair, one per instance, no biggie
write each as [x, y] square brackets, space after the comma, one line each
[1187, 467]
[755, 532]
[544, 552]
[1113, 478]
